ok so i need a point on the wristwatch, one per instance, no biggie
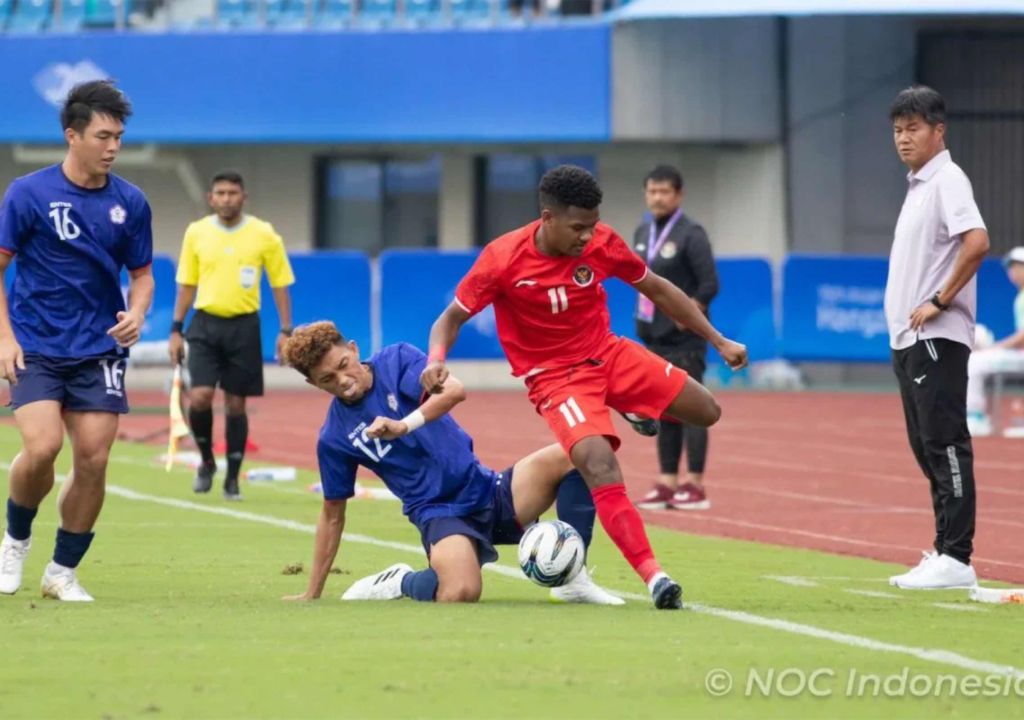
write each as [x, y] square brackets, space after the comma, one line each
[286, 331]
[938, 303]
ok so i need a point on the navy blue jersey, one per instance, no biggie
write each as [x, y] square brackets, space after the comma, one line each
[71, 243]
[433, 470]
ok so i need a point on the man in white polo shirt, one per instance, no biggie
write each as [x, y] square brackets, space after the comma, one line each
[930, 303]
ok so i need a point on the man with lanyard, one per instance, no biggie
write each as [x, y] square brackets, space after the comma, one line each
[678, 249]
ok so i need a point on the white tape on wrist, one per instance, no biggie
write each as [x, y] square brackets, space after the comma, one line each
[414, 420]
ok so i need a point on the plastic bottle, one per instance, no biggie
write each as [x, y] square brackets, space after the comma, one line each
[276, 474]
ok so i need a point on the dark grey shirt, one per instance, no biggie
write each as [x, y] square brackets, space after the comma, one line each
[687, 262]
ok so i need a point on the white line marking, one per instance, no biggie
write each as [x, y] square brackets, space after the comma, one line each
[960, 608]
[873, 594]
[794, 580]
[944, 657]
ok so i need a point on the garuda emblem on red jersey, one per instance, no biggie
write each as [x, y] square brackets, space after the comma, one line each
[583, 275]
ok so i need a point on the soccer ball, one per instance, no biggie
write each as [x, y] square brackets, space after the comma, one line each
[551, 553]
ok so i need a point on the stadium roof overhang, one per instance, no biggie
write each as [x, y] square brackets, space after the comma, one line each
[655, 9]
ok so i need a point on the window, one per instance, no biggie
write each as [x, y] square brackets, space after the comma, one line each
[507, 189]
[374, 204]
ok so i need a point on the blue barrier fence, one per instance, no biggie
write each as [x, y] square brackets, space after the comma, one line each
[831, 308]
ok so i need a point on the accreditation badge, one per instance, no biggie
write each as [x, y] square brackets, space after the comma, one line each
[247, 275]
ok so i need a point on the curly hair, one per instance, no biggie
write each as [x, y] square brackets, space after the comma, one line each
[569, 186]
[309, 343]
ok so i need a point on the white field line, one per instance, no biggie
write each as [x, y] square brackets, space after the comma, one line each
[943, 657]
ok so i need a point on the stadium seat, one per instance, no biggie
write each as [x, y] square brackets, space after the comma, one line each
[237, 13]
[5, 11]
[30, 16]
[101, 13]
[333, 14]
[287, 14]
[72, 16]
[471, 10]
[420, 12]
[377, 12]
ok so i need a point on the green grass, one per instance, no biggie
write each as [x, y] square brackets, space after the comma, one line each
[189, 623]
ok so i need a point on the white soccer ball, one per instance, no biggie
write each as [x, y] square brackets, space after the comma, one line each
[551, 553]
[983, 337]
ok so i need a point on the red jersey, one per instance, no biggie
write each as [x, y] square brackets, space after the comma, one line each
[551, 311]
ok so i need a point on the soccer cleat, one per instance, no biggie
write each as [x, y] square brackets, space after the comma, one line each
[648, 427]
[231, 491]
[941, 573]
[659, 498]
[385, 585]
[12, 562]
[926, 558]
[666, 593]
[61, 583]
[690, 497]
[583, 589]
[203, 480]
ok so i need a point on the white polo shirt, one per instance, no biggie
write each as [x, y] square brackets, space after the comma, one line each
[939, 208]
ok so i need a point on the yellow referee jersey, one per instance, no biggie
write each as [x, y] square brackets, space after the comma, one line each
[225, 264]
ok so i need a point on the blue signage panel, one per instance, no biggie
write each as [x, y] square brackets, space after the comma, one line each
[487, 84]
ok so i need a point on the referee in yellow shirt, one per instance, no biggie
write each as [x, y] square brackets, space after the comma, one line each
[221, 259]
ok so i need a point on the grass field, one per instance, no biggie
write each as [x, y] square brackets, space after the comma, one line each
[189, 623]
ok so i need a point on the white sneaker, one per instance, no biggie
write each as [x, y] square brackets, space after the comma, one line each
[979, 424]
[385, 585]
[61, 583]
[927, 556]
[942, 573]
[583, 589]
[12, 561]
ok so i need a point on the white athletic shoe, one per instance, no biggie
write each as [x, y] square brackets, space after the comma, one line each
[61, 583]
[941, 573]
[385, 585]
[12, 561]
[927, 556]
[583, 589]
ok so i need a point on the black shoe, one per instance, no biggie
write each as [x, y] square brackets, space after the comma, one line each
[667, 594]
[231, 491]
[203, 480]
[648, 427]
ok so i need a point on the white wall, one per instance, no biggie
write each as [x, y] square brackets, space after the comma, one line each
[736, 192]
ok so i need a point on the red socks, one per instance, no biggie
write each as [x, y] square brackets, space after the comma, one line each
[624, 526]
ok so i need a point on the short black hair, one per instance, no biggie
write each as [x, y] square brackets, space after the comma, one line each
[919, 100]
[569, 186]
[99, 97]
[230, 176]
[665, 173]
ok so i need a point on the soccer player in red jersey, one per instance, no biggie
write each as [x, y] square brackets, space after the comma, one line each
[544, 281]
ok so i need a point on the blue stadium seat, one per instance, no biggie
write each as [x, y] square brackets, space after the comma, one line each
[422, 11]
[5, 11]
[30, 16]
[72, 16]
[237, 13]
[377, 12]
[471, 10]
[287, 14]
[101, 13]
[333, 14]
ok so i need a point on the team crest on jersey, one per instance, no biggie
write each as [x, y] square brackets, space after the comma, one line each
[583, 275]
[392, 402]
[669, 250]
[118, 215]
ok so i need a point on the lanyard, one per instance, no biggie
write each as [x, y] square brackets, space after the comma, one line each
[654, 245]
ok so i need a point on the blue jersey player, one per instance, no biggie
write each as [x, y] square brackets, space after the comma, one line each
[461, 508]
[65, 330]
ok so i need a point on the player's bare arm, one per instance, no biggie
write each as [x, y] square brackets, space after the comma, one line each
[140, 295]
[283, 302]
[684, 310]
[973, 250]
[11, 357]
[182, 302]
[452, 393]
[325, 548]
[443, 334]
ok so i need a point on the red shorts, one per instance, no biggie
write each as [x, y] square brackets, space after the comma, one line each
[626, 377]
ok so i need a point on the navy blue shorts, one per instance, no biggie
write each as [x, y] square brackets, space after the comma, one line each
[93, 384]
[496, 525]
